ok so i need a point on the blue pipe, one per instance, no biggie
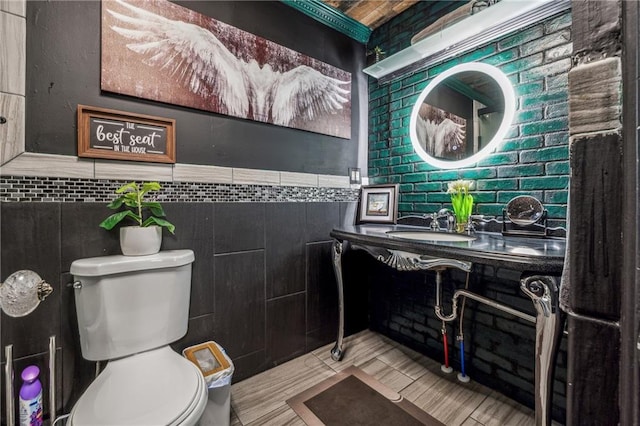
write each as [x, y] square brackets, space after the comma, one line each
[462, 369]
[462, 376]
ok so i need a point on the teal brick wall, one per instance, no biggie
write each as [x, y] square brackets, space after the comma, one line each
[532, 160]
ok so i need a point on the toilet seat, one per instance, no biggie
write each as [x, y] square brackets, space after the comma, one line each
[157, 387]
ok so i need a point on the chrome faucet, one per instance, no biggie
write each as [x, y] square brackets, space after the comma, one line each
[443, 213]
[435, 226]
[474, 220]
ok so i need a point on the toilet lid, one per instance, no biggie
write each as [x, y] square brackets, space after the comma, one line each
[158, 387]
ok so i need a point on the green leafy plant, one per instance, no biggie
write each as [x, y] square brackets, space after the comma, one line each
[132, 199]
[377, 52]
[461, 200]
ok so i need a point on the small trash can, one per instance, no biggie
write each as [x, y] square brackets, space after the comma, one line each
[217, 369]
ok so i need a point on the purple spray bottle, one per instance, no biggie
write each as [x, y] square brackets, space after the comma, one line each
[31, 397]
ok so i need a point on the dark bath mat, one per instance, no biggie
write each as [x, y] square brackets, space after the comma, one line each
[354, 398]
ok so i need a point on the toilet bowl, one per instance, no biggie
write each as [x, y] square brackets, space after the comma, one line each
[157, 387]
[129, 309]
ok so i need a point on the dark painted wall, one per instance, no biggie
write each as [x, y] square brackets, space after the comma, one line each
[63, 70]
[600, 242]
[263, 284]
[630, 300]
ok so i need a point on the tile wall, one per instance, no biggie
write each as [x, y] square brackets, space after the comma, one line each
[262, 284]
[12, 83]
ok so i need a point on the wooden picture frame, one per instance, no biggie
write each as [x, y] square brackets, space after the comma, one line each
[378, 204]
[118, 135]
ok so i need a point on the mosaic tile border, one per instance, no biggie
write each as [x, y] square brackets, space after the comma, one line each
[76, 190]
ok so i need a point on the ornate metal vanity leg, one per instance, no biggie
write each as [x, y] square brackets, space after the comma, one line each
[336, 251]
[543, 291]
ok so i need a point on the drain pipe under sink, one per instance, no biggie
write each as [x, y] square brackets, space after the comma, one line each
[462, 376]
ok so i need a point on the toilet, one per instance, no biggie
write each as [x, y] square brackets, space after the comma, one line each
[130, 308]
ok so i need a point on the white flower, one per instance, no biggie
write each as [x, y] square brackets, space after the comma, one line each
[460, 186]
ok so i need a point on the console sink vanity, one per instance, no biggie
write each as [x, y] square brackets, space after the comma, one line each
[410, 248]
[484, 95]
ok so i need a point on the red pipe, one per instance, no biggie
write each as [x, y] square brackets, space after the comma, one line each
[445, 367]
[446, 349]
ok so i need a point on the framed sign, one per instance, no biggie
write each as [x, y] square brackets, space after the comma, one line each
[118, 135]
[378, 203]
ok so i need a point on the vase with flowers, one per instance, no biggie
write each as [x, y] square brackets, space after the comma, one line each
[462, 202]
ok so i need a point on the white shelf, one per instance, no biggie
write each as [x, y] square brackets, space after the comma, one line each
[493, 22]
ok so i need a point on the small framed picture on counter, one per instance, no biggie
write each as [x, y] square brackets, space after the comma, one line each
[378, 204]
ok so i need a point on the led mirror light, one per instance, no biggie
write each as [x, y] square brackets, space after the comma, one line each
[462, 115]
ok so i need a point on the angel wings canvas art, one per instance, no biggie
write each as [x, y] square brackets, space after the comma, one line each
[442, 134]
[157, 50]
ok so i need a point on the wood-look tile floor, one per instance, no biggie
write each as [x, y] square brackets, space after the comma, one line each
[260, 400]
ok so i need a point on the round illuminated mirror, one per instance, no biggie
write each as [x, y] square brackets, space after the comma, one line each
[462, 115]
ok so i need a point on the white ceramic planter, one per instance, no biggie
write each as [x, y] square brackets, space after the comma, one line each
[137, 241]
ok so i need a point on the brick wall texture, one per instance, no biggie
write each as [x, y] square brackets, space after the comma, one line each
[499, 348]
[532, 160]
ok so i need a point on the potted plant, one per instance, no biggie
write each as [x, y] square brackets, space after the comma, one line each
[145, 237]
[375, 55]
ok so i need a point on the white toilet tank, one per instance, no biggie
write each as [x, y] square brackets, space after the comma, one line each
[130, 304]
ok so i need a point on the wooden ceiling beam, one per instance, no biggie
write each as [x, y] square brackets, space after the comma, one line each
[371, 13]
